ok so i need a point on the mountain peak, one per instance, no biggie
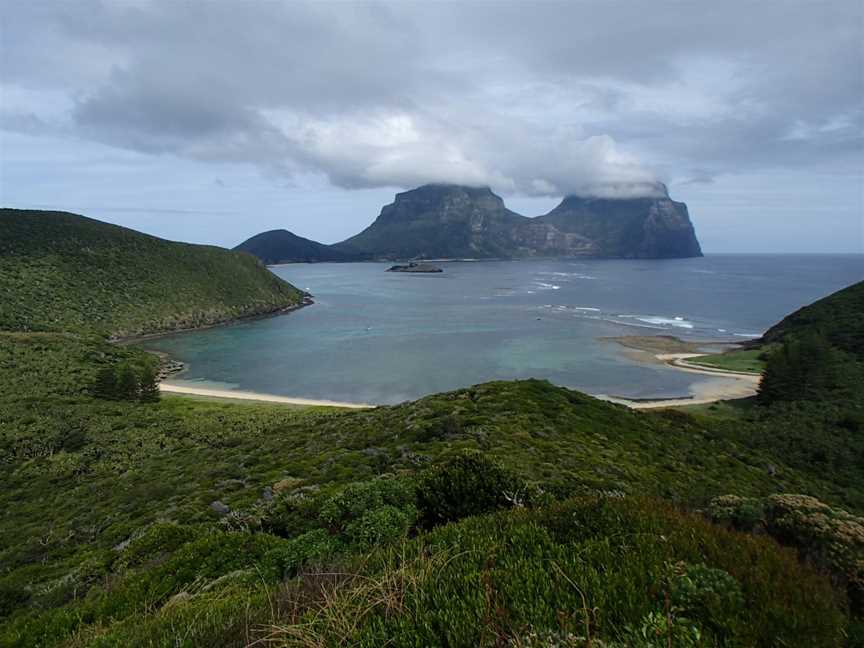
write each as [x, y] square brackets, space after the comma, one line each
[451, 221]
[622, 191]
[643, 224]
[442, 190]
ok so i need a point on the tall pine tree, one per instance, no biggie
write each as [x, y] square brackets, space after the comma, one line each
[804, 368]
[127, 382]
[149, 386]
[106, 383]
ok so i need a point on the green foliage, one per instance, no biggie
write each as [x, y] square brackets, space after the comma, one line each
[573, 572]
[11, 598]
[126, 387]
[82, 475]
[837, 317]
[148, 390]
[128, 381]
[740, 360]
[63, 272]
[829, 538]
[108, 537]
[153, 543]
[468, 483]
[713, 595]
[371, 513]
[803, 368]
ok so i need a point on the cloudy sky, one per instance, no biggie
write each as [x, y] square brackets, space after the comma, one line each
[209, 121]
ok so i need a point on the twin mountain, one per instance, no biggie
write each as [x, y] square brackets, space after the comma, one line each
[457, 222]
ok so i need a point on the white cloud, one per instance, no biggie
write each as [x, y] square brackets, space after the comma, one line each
[557, 98]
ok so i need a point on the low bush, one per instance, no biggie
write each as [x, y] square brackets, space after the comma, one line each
[601, 572]
[468, 483]
[829, 538]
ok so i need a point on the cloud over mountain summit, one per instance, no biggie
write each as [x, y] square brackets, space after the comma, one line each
[562, 98]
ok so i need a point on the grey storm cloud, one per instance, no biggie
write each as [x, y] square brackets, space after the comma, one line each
[539, 99]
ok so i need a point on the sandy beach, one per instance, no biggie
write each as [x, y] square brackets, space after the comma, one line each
[174, 388]
[735, 385]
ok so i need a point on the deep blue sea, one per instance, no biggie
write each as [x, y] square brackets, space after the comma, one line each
[379, 337]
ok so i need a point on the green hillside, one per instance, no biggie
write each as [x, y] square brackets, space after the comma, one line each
[64, 272]
[109, 535]
[839, 317]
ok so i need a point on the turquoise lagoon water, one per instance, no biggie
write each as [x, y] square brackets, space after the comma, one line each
[379, 337]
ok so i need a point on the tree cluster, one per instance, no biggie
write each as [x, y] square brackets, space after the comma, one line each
[803, 368]
[128, 382]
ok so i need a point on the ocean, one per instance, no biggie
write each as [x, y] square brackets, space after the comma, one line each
[379, 337]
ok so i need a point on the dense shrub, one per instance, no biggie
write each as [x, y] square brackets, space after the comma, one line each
[804, 368]
[468, 483]
[609, 572]
[153, 543]
[11, 598]
[830, 538]
[126, 381]
[713, 595]
[372, 512]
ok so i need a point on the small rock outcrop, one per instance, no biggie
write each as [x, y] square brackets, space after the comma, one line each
[219, 508]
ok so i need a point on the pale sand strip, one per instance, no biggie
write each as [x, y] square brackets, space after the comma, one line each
[744, 386]
[254, 396]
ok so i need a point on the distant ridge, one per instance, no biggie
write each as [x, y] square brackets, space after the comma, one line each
[442, 221]
[282, 246]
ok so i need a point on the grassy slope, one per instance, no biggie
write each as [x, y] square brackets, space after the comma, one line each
[63, 272]
[746, 360]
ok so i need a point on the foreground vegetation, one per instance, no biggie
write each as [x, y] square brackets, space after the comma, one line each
[505, 514]
[127, 520]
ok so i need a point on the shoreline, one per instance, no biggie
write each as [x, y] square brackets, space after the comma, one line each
[675, 353]
[173, 388]
[307, 300]
[745, 386]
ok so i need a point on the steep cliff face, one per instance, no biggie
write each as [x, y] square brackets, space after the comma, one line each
[451, 221]
[628, 228]
[439, 221]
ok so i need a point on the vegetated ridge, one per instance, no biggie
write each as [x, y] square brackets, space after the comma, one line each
[839, 317]
[281, 246]
[64, 272]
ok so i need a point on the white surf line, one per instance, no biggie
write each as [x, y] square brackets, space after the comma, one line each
[255, 396]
